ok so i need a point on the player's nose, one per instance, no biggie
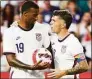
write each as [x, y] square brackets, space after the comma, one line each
[51, 23]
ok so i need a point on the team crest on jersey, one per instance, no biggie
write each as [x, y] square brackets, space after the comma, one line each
[63, 49]
[38, 36]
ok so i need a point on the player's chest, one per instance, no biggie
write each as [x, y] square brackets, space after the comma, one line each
[31, 39]
[60, 48]
[29, 36]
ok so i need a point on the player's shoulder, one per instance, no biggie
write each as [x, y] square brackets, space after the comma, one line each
[8, 33]
[11, 29]
[74, 40]
[73, 37]
[74, 44]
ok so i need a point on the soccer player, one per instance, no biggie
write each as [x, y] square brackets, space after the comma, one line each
[20, 41]
[66, 48]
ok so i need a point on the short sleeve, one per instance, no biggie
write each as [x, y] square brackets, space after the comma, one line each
[8, 42]
[76, 47]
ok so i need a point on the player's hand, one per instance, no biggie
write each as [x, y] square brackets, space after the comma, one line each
[40, 65]
[56, 73]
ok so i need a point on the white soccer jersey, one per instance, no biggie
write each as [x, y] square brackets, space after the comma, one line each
[64, 52]
[44, 28]
[23, 44]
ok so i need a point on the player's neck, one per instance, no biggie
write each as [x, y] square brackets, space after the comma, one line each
[63, 33]
[25, 25]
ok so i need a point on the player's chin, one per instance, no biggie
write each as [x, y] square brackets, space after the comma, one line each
[53, 30]
[33, 21]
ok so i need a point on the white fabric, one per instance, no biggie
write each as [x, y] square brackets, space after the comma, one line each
[23, 44]
[65, 51]
[46, 30]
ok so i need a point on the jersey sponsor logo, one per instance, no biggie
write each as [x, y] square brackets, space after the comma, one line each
[63, 49]
[18, 38]
[38, 36]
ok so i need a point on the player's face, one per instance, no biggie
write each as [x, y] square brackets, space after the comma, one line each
[31, 15]
[56, 24]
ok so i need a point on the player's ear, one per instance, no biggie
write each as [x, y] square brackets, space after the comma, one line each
[25, 13]
[64, 24]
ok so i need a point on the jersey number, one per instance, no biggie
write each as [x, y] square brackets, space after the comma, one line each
[20, 47]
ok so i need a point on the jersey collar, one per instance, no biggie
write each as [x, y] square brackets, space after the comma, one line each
[63, 38]
[25, 29]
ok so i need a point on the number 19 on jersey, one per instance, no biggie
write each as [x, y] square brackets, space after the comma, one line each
[20, 47]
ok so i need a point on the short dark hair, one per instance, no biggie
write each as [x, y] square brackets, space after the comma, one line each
[65, 15]
[27, 5]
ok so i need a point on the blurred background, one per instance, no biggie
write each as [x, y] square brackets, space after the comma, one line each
[81, 11]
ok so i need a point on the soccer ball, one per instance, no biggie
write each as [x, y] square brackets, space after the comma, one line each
[42, 54]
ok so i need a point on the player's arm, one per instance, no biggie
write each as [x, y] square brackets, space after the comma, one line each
[81, 67]
[11, 58]
[9, 49]
[77, 52]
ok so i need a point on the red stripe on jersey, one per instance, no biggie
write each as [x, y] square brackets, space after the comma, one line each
[34, 56]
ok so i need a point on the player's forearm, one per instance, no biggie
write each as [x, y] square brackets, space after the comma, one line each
[18, 64]
[77, 69]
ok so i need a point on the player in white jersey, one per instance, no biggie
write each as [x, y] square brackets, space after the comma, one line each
[66, 48]
[20, 41]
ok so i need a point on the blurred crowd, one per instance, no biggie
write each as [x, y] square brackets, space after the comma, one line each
[80, 27]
